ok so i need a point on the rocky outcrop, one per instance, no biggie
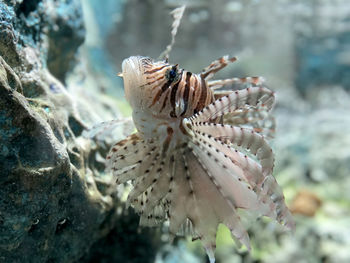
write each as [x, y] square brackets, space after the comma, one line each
[56, 202]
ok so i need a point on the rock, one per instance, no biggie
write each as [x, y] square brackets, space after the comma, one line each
[47, 196]
[28, 180]
[55, 28]
[7, 35]
[56, 202]
[66, 33]
[305, 203]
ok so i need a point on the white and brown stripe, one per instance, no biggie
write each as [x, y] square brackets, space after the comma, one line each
[179, 95]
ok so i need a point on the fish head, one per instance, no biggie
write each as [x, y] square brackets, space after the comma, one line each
[143, 77]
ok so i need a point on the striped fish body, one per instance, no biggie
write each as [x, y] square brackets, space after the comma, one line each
[186, 167]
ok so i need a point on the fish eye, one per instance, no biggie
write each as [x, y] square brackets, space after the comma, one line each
[172, 74]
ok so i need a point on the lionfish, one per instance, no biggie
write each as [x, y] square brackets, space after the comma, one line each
[191, 161]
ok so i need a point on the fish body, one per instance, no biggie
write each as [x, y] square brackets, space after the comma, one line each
[185, 163]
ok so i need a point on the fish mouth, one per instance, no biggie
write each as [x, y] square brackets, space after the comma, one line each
[133, 75]
[132, 68]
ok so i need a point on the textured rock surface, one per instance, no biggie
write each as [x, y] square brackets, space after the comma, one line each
[55, 28]
[55, 200]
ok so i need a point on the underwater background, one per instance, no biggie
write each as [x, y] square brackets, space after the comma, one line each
[58, 65]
